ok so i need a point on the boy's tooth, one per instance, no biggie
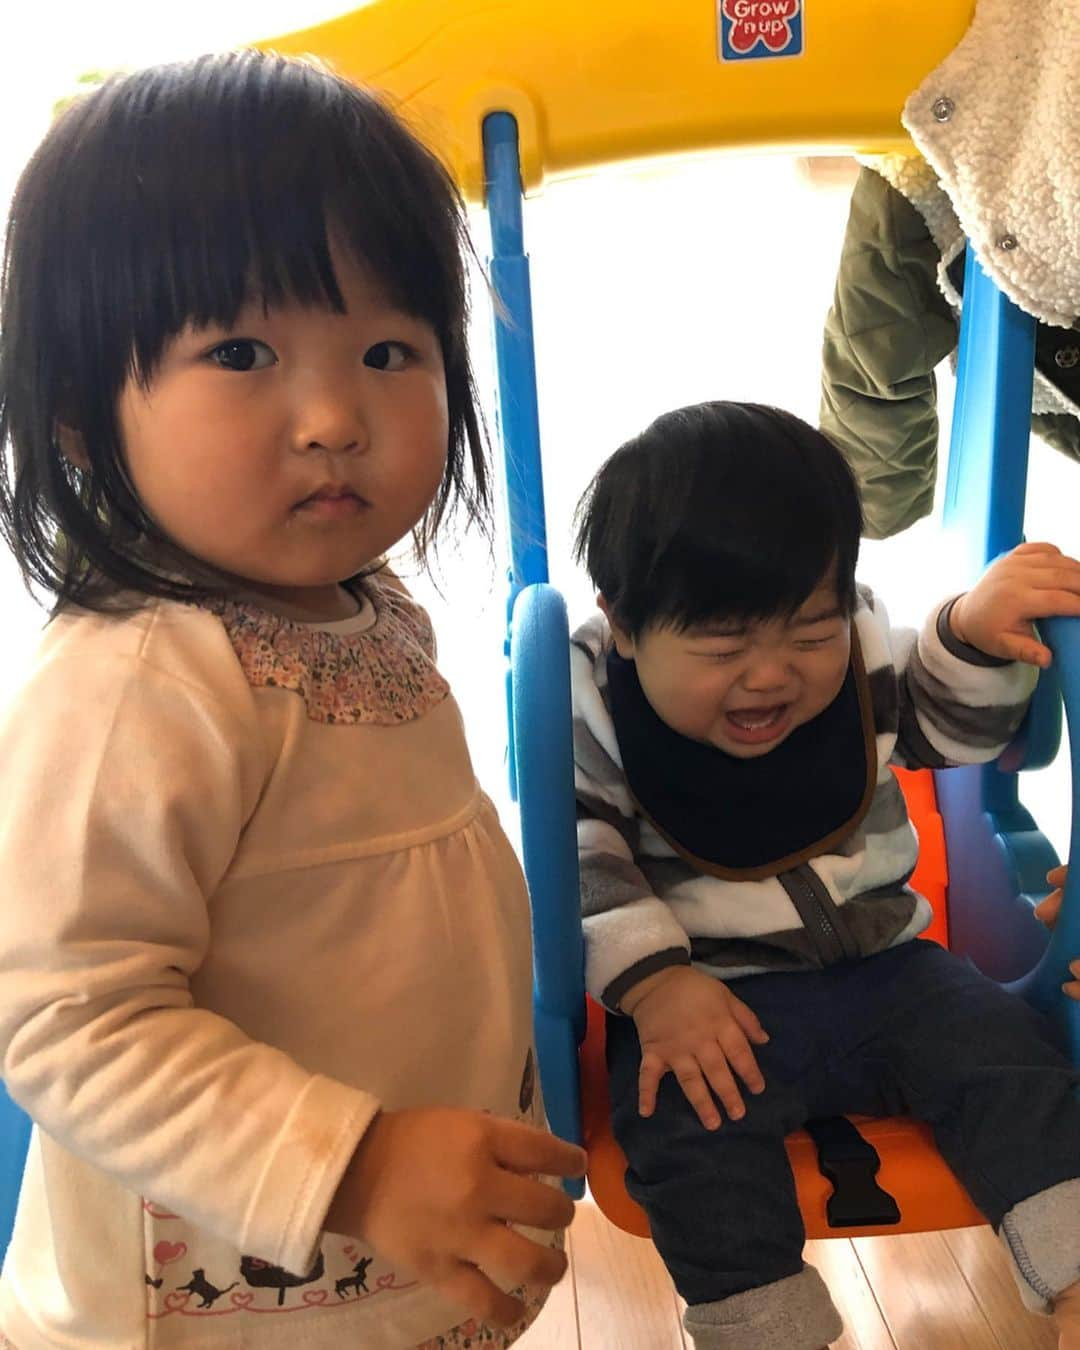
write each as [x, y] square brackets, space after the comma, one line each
[752, 723]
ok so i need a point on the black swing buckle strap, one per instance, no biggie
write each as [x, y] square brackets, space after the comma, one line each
[852, 1165]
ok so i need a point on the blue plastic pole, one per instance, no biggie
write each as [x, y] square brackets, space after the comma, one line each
[1043, 987]
[545, 766]
[14, 1140]
[538, 686]
[988, 461]
[998, 857]
[517, 410]
[988, 453]
[518, 413]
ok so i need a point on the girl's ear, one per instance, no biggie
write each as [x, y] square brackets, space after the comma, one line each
[624, 643]
[72, 446]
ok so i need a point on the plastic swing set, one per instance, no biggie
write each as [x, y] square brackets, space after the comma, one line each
[513, 93]
[527, 90]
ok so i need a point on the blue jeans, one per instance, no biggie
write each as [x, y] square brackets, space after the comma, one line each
[913, 1030]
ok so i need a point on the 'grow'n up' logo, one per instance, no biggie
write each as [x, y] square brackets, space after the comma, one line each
[759, 28]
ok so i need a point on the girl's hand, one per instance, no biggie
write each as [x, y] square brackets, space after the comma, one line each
[1034, 581]
[436, 1190]
[1048, 910]
[695, 1026]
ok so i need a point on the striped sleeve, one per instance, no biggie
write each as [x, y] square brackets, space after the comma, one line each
[956, 704]
[629, 931]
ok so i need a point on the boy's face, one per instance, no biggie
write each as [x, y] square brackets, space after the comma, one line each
[745, 687]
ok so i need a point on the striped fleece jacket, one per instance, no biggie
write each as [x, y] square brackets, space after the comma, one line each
[934, 702]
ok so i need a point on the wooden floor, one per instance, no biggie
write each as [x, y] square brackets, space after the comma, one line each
[927, 1291]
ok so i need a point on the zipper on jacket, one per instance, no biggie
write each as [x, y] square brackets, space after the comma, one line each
[819, 914]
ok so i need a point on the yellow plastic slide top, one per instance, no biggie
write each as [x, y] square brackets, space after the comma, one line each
[594, 81]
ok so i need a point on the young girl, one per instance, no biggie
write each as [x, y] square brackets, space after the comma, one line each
[264, 949]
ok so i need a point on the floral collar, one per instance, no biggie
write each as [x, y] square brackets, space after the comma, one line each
[385, 673]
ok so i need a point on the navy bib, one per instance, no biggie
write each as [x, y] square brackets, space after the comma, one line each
[760, 815]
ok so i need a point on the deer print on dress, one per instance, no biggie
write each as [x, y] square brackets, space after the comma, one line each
[357, 1279]
[203, 1290]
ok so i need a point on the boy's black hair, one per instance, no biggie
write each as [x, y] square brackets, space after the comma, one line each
[719, 511]
[176, 195]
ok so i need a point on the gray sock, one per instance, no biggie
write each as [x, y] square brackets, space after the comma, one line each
[1042, 1236]
[792, 1314]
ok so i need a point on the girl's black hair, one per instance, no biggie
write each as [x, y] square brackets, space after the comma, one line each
[719, 511]
[175, 195]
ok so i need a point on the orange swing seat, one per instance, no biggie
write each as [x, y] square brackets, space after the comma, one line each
[912, 1171]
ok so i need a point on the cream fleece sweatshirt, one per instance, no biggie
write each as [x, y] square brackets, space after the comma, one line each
[251, 892]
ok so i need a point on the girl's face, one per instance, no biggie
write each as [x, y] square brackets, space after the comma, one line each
[298, 445]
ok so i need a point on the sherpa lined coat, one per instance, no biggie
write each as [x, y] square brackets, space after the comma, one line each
[933, 701]
[894, 319]
[995, 125]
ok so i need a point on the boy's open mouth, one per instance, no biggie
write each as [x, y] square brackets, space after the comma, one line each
[754, 726]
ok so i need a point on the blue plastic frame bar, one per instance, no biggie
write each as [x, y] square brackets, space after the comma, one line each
[998, 857]
[987, 480]
[14, 1142]
[542, 734]
[540, 752]
[1043, 986]
[517, 409]
[988, 460]
[515, 356]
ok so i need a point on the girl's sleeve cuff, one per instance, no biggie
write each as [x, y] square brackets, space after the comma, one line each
[315, 1144]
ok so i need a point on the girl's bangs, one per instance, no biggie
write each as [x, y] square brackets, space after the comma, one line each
[234, 206]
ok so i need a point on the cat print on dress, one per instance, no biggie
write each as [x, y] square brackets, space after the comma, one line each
[200, 1286]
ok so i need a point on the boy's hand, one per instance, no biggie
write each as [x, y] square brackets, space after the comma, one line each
[695, 1026]
[436, 1190]
[1048, 910]
[1034, 581]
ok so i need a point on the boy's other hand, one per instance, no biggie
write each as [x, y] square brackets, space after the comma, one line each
[1048, 910]
[436, 1189]
[694, 1026]
[1034, 581]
